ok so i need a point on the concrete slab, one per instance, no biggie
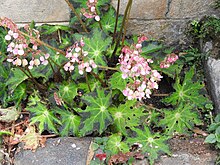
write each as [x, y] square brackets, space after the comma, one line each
[58, 151]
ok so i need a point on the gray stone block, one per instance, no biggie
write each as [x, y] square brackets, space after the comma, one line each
[41, 11]
[169, 31]
[58, 151]
[163, 9]
[212, 68]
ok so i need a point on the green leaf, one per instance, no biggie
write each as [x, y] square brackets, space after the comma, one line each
[68, 91]
[213, 127]
[5, 133]
[4, 72]
[152, 144]
[180, 119]
[117, 82]
[19, 94]
[210, 139]
[217, 118]
[150, 48]
[34, 98]
[70, 123]
[172, 71]
[96, 116]
[115, 144]
[96, 45]
[49, 29]
[46, 118]
[126, 115]
[16, 77]
[93, 83]
[187, 91]
[42, 71]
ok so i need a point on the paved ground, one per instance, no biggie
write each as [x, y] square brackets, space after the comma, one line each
[74, 151]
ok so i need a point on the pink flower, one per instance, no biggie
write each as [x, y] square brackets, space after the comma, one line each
[15, 35]
[169, 59]
[136, 68]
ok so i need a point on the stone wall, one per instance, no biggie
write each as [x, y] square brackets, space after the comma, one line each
[166, 19]
[159, 19]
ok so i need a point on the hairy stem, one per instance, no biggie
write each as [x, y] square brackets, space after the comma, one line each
[99, 79]
[87, 81]
[107, 68]
[161, 94]
[77, 15]
[116, 21]
[43, 43]
[39, 86]
[123, 24]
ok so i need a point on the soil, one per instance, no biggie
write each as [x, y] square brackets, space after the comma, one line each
[194, 146]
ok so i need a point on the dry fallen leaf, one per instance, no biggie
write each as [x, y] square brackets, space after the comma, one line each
[199, 131]
[31, 139]
[9, 114]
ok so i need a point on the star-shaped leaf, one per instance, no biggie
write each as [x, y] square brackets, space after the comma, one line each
[187, 91]
[70, 123]
[96, 45]
[115, 144]
[126, 115]
[67, 91]
[45, 118]
[152, 144]
[180, 119]
[96, 116]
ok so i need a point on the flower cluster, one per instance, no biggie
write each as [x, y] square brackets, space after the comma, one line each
[169, 60]
[77, 55]
[22, 51]
[136, 68]
[91, 12]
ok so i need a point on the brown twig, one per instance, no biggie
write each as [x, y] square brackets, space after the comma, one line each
[15, 125]
[48, 136]
[161, 94]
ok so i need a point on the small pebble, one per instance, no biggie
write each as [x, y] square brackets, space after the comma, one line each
[73, 145]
